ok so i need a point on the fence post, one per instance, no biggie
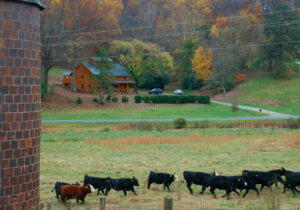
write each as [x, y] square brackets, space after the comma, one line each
[48, 206]
[168, 203]
[69, 204]
[102, 203]
[41, 206]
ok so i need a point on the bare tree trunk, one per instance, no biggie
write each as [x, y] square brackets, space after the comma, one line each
[74, 88]
[45, 76]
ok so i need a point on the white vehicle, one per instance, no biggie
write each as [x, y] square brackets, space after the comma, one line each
[178, 92]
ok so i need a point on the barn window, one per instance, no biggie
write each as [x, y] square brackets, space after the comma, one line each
[82, 77]
[81, 85]
[89, 85]
[124, 78]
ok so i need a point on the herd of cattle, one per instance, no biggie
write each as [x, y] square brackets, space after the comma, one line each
[247, 181]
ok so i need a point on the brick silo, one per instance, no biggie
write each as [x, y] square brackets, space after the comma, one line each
[20, 103]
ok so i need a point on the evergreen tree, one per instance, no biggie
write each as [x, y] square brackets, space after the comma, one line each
[280, 50]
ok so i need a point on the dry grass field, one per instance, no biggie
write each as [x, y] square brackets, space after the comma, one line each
[68, 160]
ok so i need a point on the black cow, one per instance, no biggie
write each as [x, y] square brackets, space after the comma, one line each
[96, 182]
[264, 178]
[57, 188]
[229, 184]
[292, 180]
[275, 175]
[198, 178]
[250, 180]
[123, 184]
[162, 178]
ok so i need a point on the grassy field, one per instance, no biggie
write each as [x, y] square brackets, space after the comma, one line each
[277, 95]
[147, 111]
[70, 156]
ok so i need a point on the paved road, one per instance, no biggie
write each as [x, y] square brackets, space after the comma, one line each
[270, 113]
[272, 116]
[165, 120]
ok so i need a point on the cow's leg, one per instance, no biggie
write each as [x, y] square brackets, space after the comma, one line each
[203, 189]
[285, 186]
[63, 199]
[168, 187]
[132, 189]
[296, 189]
[107, 191]
[261, 187]
[125, 193]
[57, 196]
[98, 191]
[188, 184]
[228, 194]
[102, 190]
[234, 190]
[149, 184]
[77, 200]
[164, 187]
[212, 190]
[247, 190]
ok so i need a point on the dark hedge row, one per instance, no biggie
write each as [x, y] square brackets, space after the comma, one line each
[170, 99]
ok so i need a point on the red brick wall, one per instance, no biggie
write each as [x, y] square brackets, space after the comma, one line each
[20, 105]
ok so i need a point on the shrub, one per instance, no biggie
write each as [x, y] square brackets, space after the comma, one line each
[78, 100]
[125, 99]
[146, 99]
[179, 123]
[234, 107]
[44, 91]
[70, 100]
[114, 99]
[108, 97]
[52, 90]
[293, 123]
[106, 130]
[138, 99]
[165, 99]
[143, 126]
[239, 78]
[96, 100]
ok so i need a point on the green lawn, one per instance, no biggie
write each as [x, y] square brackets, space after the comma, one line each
[147, 112]
[67, 159]
[277, 95]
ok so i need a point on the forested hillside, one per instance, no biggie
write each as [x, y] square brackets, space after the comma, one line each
[208, 44]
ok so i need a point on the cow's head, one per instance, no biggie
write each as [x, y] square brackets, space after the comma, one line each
[215, 173]
[135, 182]
[88, 189]
[176, 177]
[242, 182]
[282, 171]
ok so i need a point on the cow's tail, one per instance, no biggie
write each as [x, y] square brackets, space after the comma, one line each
[146, 182]
[53, 189]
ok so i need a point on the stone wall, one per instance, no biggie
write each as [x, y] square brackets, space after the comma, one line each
[20, 105]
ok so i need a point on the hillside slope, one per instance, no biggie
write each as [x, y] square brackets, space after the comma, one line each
[265, 92]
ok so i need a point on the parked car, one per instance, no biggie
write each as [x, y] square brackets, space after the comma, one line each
[156, 91]
[178, 92]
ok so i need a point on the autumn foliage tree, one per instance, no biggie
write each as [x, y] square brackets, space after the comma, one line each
[202, 63]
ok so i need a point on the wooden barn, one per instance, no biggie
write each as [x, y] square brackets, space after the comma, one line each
[123, 82]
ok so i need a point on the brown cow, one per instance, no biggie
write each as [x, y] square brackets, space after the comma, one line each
[79, 192]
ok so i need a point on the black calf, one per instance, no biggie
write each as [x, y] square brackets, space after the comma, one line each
[198, 178]
[162, 178]
[96, 182]
[228, 184]
[292, 181]
[123, 184]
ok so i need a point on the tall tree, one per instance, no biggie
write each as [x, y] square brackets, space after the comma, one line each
[202, 63]
[103, 79]
[281, 49]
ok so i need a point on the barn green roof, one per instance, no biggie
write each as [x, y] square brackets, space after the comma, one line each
[114, 70]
